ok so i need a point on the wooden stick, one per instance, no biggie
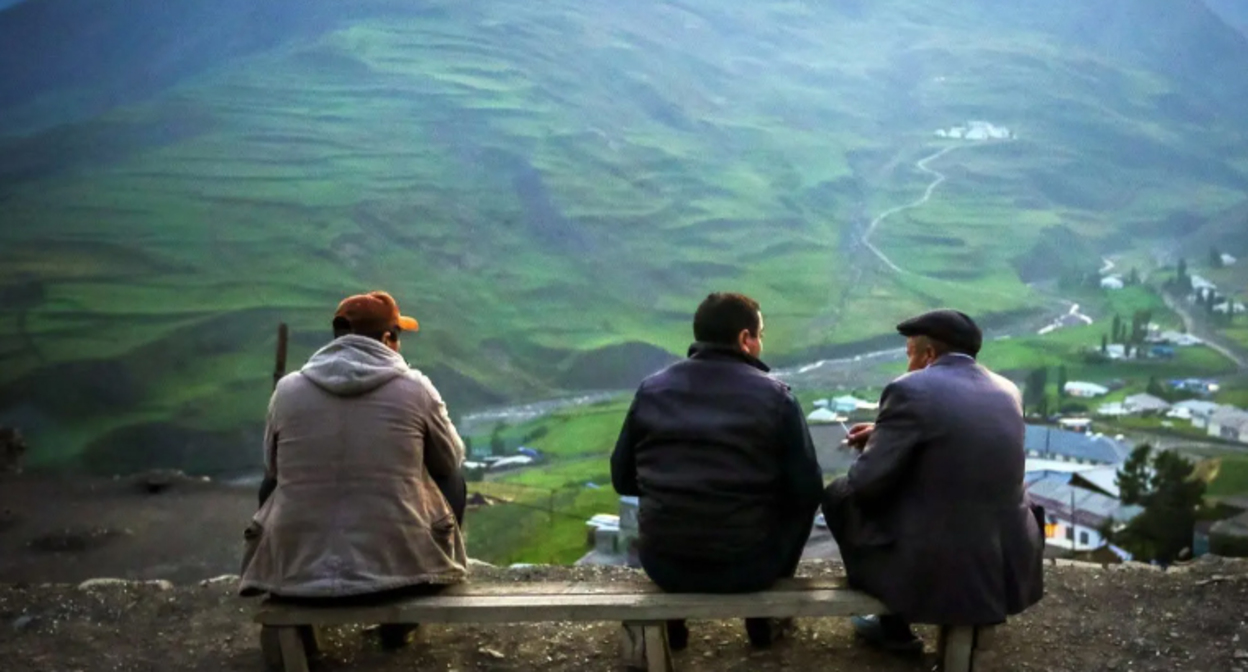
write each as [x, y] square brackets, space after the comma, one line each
[279, 369]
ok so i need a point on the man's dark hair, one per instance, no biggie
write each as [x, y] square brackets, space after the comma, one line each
[342, 327]
[723, 315]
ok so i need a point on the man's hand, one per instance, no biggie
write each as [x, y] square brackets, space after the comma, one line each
[859, 434]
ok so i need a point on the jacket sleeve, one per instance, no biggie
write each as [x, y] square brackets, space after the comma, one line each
[890, 450]
[623, 459]
[444, 450]
[803, 478]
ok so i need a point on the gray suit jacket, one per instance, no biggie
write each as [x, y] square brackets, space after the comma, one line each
[933, 518]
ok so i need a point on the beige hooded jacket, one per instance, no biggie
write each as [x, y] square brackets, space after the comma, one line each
[355, 439]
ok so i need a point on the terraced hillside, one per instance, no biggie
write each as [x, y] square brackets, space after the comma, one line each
[550, 187]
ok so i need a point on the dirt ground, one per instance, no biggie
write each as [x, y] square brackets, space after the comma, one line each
[1091, 619]
[1119, 619]
[69, 529]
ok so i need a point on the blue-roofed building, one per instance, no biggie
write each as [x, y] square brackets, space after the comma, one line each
[1051, 443]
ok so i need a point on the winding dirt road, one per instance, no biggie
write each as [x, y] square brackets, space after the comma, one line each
[939, 178]
[1197, 328]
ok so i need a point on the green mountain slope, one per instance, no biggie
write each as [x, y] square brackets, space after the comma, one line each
[549, 185]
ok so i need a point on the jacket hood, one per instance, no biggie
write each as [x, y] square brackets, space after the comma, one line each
[354, 365]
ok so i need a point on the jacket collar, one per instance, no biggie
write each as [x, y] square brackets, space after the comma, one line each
[954, 359]
[715, 351]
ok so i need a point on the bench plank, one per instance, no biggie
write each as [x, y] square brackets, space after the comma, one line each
[471, 589]
[527, 603]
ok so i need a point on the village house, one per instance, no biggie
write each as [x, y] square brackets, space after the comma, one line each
[1080, 425]
[1229, 537]
[1098, 479]
[613, 537]
[1113, 410]
[1176, 338]
[1112, 282]
[1228, 260]
[823, 416]
[1049, 443]
[1195, 411]
[1195, 386]
[1085, 390]
[1145, 404]
[847, 404]
[1229, 423]
[1076, 516]
[1201, 285]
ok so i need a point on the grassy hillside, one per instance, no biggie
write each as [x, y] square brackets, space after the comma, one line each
[543, 184]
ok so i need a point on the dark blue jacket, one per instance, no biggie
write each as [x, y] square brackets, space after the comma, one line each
[718, 451]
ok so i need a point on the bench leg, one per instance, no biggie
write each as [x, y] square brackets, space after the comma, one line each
[658, 651]
[271, 648]
[955, 648]
[294, 657]
[313, 642]
[984, 657]
[967, 649]
[646, 647]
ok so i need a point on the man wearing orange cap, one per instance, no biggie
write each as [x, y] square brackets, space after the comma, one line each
[369, 493]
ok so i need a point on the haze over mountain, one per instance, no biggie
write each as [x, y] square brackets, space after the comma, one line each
[1234, 12]
[551, 187]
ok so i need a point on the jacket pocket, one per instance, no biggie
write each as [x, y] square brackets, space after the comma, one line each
[251, 542]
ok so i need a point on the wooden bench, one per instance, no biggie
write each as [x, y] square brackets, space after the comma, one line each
[290, 630]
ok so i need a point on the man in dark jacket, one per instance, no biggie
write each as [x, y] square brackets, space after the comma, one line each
[933, 518]
[720, 455]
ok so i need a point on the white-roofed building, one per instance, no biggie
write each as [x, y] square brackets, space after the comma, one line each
[1145, 403]
[1229, 423]
[1081, 389]
[1196, 411]
[824, 416]
[1104, 479]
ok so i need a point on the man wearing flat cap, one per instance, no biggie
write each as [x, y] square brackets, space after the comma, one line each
[368, 492]
[933, 518]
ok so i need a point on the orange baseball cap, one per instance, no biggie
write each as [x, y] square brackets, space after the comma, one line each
[374, 313]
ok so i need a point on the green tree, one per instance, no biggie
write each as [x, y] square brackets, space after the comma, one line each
[1166, 485]
[1104, 344]
[1133, 477]
[1155, 388]
[1061, 382]
[1117, 329]
[1035, 391]
[498, 445]
[1182, 280]
[1134, 277]
[1215, 258]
